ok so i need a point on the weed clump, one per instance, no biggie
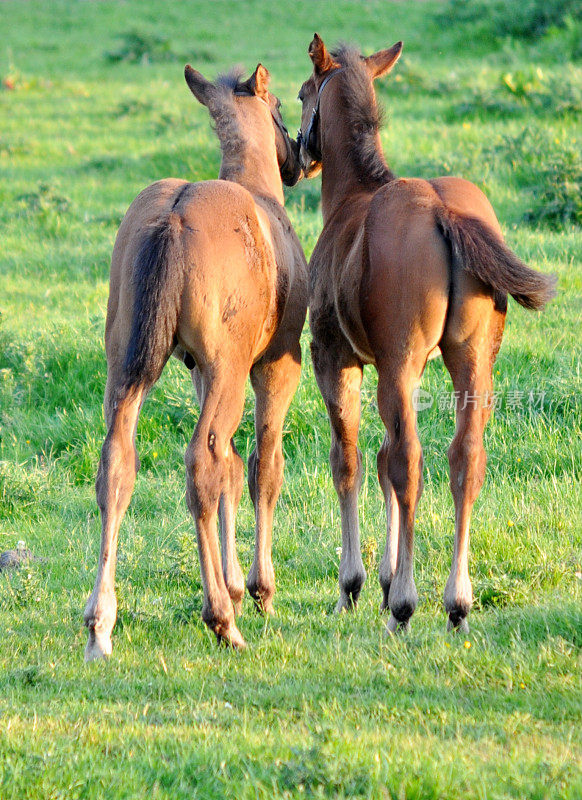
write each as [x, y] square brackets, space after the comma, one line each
[522, 91]
[559, 193]
[496, 19]
[550, 171]
[43, 200]
[143, 47]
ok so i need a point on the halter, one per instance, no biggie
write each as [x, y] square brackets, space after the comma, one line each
[309, 139]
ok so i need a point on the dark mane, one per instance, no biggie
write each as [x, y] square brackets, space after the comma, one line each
[364, 118]
[224, 114]
[232, 80]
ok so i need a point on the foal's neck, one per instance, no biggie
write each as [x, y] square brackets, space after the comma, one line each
[347, 173]
[255, 167]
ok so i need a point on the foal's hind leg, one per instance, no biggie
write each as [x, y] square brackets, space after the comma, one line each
[274, 379]
[115, 481]
[404, 466]
[388, 561]
[339, 376]
[470, 364]
[227, 508]
[208, 462]
[229, 500]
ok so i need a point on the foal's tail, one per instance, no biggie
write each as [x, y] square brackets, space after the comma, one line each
[158, 279]
[481, 251]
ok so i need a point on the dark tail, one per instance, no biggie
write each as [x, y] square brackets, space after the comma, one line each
[158, 278]
[478, 249]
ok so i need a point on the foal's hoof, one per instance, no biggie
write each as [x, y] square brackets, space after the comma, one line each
[263, 600]
[394, 626]
[98, 646]
[343, 604]
[231, 638]
[346, 602]
[458, 625]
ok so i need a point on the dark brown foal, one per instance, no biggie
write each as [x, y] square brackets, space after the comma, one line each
[402, 268]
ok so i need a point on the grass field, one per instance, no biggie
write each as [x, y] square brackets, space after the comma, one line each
[93, 107]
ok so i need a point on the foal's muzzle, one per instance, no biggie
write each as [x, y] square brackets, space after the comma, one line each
[291, 170]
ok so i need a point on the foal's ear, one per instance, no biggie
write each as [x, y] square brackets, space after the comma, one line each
[201, 88]
[382, 62]
[259, 82]
[322, 61]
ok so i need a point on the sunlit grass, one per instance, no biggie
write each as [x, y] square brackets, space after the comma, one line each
[319, 706]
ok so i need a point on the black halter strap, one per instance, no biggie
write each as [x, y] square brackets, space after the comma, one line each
[290, 155]
[309, 139]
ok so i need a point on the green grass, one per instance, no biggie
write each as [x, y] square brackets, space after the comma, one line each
[93, 108]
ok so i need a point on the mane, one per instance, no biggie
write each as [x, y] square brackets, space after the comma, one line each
[364, 118]
[226, 125]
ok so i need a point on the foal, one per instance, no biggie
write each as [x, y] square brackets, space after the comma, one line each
[402, 268]
[213, 273]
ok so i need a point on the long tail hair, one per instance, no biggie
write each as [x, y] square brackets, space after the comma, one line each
[158, 279]
[478, 249]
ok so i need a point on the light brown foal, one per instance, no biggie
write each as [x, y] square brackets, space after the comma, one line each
[402, 268]
[213, 273]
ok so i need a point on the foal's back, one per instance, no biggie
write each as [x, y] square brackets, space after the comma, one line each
[224, 257]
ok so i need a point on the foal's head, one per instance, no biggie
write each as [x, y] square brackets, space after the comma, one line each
[339, 94]
[247, 116]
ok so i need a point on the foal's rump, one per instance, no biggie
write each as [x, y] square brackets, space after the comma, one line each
[406, 275]
[467, 221]
[432, 247]
[190, 269]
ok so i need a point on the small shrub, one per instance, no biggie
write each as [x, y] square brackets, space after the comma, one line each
[142, 47]
[559, 191]
[496, 19]
[536, 89]
[132, 107]
[43, 200]
[21, 588]
[519, 92]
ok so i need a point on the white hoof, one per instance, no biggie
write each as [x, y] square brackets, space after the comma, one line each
[98, 646]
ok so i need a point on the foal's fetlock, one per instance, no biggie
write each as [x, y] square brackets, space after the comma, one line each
[237, 594]
[99, 618]
[236, 589]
